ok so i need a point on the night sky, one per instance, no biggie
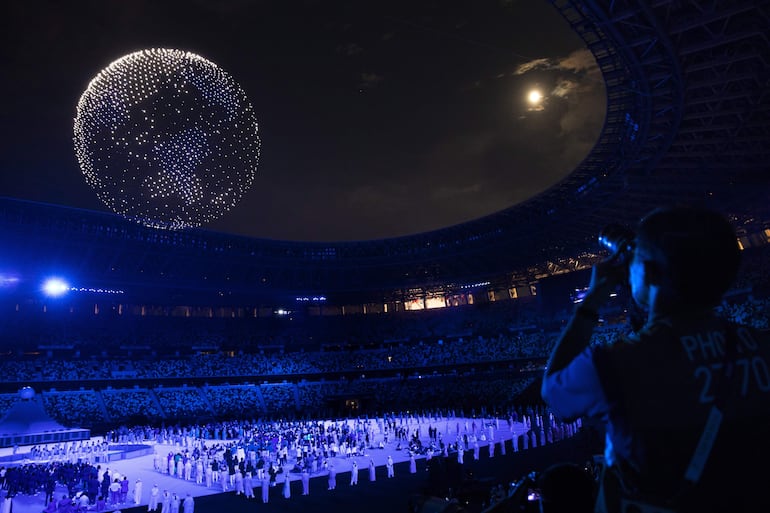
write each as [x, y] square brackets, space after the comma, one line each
[377, 118]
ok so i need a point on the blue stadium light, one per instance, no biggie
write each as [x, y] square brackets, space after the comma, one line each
[8, 280]
[578, 295]
[93, 290]
[54, 287]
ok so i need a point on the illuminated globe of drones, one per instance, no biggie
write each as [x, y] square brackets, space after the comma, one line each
[166, 138]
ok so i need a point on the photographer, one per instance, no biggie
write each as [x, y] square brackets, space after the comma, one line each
[685, 399]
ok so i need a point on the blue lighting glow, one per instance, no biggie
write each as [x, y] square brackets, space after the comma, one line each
[96, 290]
[8, 281]
[54, 287]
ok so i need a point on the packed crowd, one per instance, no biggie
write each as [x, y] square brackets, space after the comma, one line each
[90, 486]
[243, 455]
[422, 376]
[751, 311]
[99, 408]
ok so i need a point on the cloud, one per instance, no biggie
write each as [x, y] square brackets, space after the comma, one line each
[533, 65]
[578, 85]
[369, 80]
[481, 172]
[507, 166]
[583, 93]
[580, 62]
[449, 192]
[572, 72]
[564, 87]
[350, 49]
[381, 196]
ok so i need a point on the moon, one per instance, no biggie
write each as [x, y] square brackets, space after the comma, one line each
[534, 97]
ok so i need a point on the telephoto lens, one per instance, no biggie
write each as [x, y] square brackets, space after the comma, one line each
[620, 241]
[617, 239]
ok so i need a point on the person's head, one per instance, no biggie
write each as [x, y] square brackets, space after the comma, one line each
[688, 255]
[566, 487]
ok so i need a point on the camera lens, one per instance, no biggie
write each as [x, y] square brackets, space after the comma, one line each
[617, 238]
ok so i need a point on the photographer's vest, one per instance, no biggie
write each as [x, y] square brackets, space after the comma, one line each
[661, 385]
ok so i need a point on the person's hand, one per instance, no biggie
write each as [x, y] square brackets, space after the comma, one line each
[605, 278]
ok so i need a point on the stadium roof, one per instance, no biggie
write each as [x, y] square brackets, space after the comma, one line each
[688, 120]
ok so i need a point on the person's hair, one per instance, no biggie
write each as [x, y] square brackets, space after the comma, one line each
[697, 249]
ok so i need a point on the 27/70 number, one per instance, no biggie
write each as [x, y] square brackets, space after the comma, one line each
[748, 368]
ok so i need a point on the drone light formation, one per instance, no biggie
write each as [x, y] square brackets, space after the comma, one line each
[166, 138]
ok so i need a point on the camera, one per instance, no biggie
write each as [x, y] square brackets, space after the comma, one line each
[619, 240]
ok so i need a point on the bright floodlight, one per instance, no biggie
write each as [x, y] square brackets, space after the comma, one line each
[167, 138]
[55, 287]
[534, 97]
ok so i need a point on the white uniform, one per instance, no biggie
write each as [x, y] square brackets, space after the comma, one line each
[138, 492]
[286, 486]
[154, 496]
[189, 504]
[248, 486]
